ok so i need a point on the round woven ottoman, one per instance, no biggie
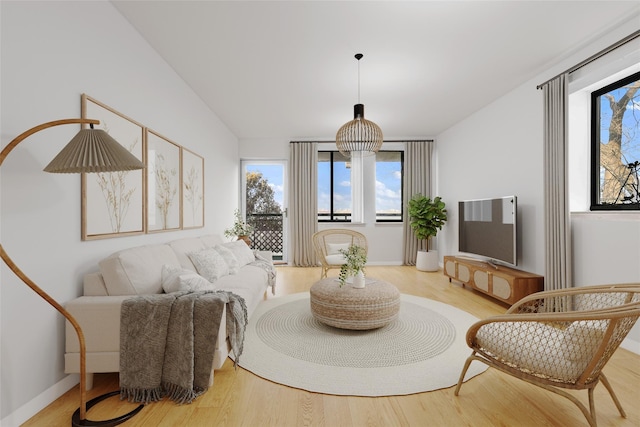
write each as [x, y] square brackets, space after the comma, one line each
[346, 307]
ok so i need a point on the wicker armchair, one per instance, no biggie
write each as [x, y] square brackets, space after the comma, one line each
[558, 339]
[327, 244]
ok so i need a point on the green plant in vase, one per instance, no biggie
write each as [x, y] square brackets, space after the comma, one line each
[240, 228]
[355, 260]
[426, 217]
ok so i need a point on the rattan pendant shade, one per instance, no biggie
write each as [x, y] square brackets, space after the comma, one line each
[359, 134]
[93, 150]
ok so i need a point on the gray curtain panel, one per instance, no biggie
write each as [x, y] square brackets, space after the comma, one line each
[303, 206]
[556, 188]
[417, 179]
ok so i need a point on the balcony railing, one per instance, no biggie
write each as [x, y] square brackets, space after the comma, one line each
[267, 233]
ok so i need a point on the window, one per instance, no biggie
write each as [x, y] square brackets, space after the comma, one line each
[334, 187]
[354, 189]
[389, 186]
[615, 145]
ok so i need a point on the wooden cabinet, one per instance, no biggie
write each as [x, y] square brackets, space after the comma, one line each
[503, 283]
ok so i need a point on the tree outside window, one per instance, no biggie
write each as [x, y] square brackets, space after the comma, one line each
[615, 140]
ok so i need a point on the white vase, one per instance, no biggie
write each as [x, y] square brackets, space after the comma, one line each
[358, 280]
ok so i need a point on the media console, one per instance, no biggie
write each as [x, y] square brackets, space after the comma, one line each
[503, 283]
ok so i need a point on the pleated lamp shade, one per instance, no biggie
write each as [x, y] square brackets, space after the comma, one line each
[359, 134]
[93, 150]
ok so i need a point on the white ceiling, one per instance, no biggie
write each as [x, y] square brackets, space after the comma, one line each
[274, 69]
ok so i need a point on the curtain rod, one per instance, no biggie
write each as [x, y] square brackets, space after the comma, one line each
[386, 140]
[594, 57]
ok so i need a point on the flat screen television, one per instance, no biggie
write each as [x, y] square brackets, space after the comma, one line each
[488, 229]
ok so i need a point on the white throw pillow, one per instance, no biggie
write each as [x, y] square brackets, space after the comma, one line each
[336, 259]
[209, 264]
[176, 279]
[334, 248]
[242, 252]
[229, 258]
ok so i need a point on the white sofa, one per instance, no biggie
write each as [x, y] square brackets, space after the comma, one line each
[139, 271]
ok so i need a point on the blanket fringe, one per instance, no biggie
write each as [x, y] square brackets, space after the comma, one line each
[138, 395]
[180, 394]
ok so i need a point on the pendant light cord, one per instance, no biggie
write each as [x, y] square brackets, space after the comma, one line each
[359, 57]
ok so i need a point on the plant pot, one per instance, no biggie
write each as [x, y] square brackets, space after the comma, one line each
[358, 280]
[427, 261]
[246, 239]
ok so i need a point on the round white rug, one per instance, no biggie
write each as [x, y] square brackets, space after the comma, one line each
[423, 350]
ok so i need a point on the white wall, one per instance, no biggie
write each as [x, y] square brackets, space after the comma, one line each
[499, 151]
[52, 52]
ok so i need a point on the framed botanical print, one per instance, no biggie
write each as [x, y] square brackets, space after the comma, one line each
[113, 202]
[192, 189]
[163, 183]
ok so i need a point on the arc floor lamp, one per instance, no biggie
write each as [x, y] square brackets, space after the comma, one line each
[91, 150]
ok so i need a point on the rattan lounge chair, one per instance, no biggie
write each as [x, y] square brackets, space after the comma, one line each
[558, 339]
[328, 243]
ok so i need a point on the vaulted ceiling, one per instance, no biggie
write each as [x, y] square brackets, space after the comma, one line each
[286, 69]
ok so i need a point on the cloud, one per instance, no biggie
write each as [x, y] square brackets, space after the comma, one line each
[383, 192]
[277, 188]
[345, 184]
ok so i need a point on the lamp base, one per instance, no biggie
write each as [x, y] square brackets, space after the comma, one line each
[77, 422]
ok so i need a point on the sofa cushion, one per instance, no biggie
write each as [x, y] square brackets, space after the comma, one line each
[176, 279]
[229, 258]
[211, 240]
[242, 252]
[250, 283]
[136, 271]
[209, 264]
[182, 247]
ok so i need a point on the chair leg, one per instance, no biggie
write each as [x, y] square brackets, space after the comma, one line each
[592, 406]
[464, 371]
[607, 385]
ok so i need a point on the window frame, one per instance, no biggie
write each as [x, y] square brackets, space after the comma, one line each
[595, 184]
[332, 214]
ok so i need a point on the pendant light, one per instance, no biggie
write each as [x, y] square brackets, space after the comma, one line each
[359, 134]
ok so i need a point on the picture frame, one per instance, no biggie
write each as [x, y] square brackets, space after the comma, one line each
[113, 203]
[164, 195]
[192, 189]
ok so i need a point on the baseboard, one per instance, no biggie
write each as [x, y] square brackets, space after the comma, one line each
[377, 263]
[38, 403]
[631, 345]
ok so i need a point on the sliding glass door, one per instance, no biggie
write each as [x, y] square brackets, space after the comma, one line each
[264, 201]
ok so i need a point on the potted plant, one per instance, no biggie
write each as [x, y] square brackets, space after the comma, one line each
[426, 217]
[240, 229]
[356, 258]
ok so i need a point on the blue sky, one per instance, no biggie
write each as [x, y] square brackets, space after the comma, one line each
[274, 174]
[342, 187]
[388, 185]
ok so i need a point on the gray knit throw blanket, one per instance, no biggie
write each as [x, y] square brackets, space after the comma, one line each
[167, 343]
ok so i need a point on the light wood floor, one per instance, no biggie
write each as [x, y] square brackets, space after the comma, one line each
[239, 398]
